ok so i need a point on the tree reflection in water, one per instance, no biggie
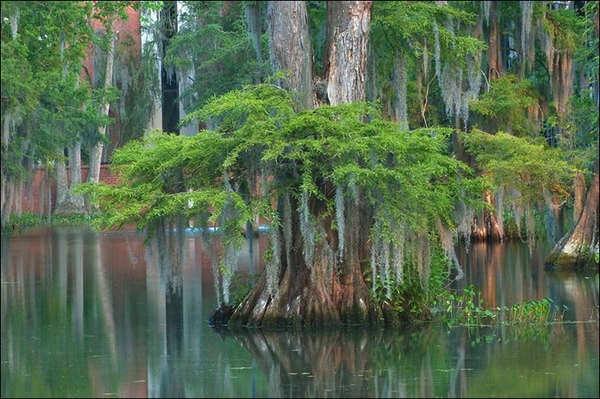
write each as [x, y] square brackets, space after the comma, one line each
[164, 266]
[87, 314]
[426, 362]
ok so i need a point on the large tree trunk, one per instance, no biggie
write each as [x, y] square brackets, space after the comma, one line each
[313, 294]
[579, 248]
[318, 288]
[290, 48]
[348, 25]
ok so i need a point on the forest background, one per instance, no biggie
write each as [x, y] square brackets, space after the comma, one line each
[508, 89]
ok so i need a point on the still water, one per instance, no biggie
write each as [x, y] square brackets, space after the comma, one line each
[87, 314]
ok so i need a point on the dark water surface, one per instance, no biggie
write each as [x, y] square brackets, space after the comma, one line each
[88, 314]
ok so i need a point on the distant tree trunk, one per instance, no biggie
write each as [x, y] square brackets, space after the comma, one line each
[252, 14]
[494, 55]
[313, 287]
[290, 48]
[75, 163]
[578, 249]
[169, 81]
[64, 199]
[96, 150]
[62, 182]
[67, 202]
[579, 200]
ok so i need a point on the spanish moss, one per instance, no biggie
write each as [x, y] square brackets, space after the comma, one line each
[399, 78]
[273, 265]
[451, 86]
[447, 238]
[340, 220]
[436, 54]
[425, 255]
[517, 210]
[530, 223]
[286, 222]
[552, 216]
[464, 226]
[307, 229]
[398, 256]
[474, 82]
[486, 11]
[14, 24]
[386, 269]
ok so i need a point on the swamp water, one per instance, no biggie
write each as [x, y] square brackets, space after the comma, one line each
[87, 314]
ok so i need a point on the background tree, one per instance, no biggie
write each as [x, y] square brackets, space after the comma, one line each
[47, 109]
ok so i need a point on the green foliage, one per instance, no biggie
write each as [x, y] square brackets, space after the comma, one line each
[525, 164]
[218, 50]
[25, 221]
[429, 36]
[564, 27]
[504, 107]
[411, 24]
[469, 308]
[212, 177]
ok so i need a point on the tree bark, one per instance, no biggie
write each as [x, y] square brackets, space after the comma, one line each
[579, 248]
[348, 25]
[494, 57]
[290, 48]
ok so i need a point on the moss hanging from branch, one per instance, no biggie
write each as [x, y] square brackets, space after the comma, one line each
[273, 265]
[398, 256]
[437, 51]
[425, 260]
[447, 241]
[286, 222]
[486, 5]
[340, 220]
[307, 228]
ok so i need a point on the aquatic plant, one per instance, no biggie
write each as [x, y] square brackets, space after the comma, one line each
[469, 308]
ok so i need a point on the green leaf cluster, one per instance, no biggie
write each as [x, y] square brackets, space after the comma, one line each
[504, 107]
[217, 48]
[408, 173]
[526, 164]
